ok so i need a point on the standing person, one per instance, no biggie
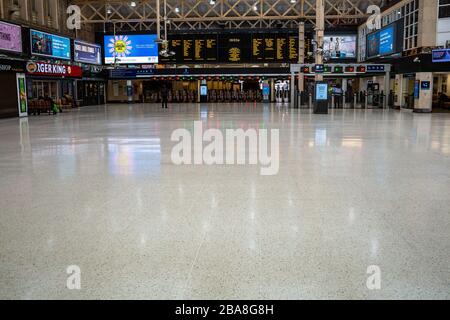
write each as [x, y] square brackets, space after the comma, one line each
[338, 96]
[164, 96]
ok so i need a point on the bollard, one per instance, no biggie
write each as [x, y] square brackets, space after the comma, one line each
[310, 101]
[355, 100]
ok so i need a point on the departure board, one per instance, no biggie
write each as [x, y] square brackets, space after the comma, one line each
[176, 45]
[269, 48]
[258, 48]
[211, 48]
[237, 47]
[200, 50]
[281, 48]
[188, 49]
[293, 49]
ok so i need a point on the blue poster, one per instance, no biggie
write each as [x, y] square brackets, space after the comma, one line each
[387, 41]
[50, 45]
[87, 52]
[417, 89]
[130, 49]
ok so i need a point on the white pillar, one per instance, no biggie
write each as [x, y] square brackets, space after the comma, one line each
[398, 91]
[425, 102]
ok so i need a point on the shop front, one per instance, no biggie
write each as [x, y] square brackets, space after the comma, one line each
[12, 79]
[55, 81]
[91, 89]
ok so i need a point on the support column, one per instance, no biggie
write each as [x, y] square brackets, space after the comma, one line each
[320, 30]
[398, 91]
[301, 55]
[158, 20]
[387, 89]
[292, 87]
[425, 102]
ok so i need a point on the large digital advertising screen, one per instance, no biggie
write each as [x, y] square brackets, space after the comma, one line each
[373, 44]
[129, 49]
[10, 37]
[50, 45]
[382, 42]
[340, 47]
[87, 52]
[441, 55]
[387, 40]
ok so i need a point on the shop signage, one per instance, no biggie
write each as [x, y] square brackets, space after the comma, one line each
[12, 66]
[50, 69]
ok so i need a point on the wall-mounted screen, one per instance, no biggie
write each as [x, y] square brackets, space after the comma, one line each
[50, 45]
[387, 40]
[340, 47]
[382, 42]
[442, 55]
[10, 37]
[87, 52]
[129, 49]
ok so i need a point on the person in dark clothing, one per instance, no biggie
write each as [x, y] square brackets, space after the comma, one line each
[164, 96]
[338, 97]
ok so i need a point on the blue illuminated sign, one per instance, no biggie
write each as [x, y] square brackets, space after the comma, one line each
[381, 43]
[425, 85]
[442, 55]
[50, 45]
[87, 52]
[129, 49]
[387, 40]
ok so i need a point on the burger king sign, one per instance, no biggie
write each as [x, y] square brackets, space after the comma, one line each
[51, 69]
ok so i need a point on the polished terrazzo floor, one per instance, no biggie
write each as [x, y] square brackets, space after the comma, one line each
[96, 188]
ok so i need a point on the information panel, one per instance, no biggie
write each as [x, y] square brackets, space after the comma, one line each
[211, 48]
[235, 48]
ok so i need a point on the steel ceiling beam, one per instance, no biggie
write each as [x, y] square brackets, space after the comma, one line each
[229, 14]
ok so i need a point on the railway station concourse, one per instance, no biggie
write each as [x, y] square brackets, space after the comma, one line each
[224, 150]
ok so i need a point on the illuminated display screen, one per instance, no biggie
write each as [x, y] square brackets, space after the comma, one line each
[129, 49]
[340, 47]
[87, 52]
[50, 45]
[387, 37]
[321, 91]
[442, 55]
[234, 48]
[10, 37]
[382, 42]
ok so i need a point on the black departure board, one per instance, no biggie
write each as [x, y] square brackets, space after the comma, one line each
[211, 48]
[258, 48]
[236, 48]
[200, 50]
[293, 45]
[188, 49]
[270, 48]
[281, 52]
[176, 45]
